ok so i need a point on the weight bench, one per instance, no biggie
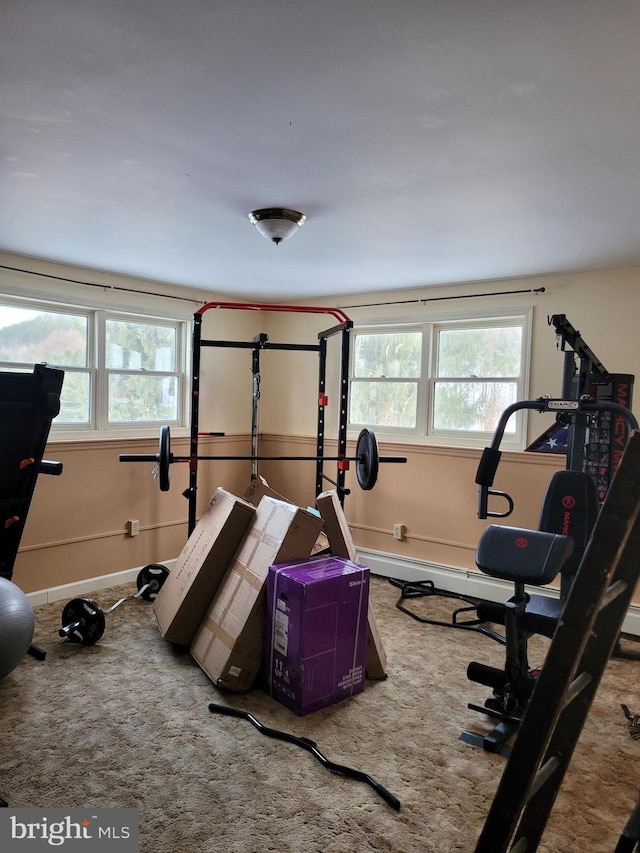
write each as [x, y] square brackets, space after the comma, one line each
[533, 557]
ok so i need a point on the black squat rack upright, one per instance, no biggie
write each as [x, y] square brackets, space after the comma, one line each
[257, 345]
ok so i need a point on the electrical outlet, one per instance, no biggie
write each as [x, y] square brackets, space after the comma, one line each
[133, 526]
[399, 531]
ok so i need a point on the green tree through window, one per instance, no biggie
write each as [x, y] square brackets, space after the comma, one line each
[451, 378]
[118, 369]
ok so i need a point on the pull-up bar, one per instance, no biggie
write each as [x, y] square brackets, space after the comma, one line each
[338, 313]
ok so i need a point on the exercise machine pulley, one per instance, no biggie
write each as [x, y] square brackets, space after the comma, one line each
[83, 620]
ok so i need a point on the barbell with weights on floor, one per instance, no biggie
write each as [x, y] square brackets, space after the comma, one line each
[367, 459]
[83, 620]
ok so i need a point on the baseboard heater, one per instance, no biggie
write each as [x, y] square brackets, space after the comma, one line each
[462, 581]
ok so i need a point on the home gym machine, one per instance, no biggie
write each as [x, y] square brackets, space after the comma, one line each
[367, 458]
[577, 657]
[595, 415]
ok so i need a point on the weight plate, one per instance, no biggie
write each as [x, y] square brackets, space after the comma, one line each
[90, 618]
[153, 575]
[164, 458]
[367, 460]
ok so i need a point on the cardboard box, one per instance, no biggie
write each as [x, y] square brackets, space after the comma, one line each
[259, 487]
[229, 644]
[376, 655]
[200, 567]
[341, 544]
[316, 641]
[336, 526]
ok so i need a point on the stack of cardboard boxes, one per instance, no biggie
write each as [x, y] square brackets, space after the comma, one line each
[215, 599]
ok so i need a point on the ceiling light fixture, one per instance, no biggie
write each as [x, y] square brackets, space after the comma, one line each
[277, 223]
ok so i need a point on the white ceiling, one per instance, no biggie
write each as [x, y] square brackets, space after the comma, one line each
[428, 141]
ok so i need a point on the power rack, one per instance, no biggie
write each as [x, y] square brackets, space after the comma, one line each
[257, 345]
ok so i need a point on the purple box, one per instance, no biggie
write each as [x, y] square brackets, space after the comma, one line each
[316, 640]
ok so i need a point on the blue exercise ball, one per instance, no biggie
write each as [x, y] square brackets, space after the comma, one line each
[16, 626]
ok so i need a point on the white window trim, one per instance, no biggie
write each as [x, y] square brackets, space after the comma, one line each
[421, 434]
[97, 429]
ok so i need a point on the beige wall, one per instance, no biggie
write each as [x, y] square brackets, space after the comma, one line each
[291, 379]
[77, 523]
[76, 526]
[434, 495]
[601, 306]
[226, 379]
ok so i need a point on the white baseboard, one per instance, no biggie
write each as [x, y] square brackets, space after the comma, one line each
[462, 581]
[84, 587]
[449, 578]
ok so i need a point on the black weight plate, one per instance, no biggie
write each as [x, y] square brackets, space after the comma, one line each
[90, 616]
[154, 575]
[164, 458]
[367, 460]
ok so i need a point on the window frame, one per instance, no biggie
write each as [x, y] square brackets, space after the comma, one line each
[378, 380]
[180, 372]
[424, 432]
[98, 425]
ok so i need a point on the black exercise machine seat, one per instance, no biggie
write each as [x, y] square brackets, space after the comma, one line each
[522, 556]
[570, 507]
[533, 557]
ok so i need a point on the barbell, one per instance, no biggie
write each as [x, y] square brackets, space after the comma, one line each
[83, 619]
[367, 459]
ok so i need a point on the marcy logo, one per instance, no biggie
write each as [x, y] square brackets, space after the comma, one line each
[562, 404]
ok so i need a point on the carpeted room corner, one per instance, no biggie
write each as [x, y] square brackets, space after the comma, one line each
[126, 723]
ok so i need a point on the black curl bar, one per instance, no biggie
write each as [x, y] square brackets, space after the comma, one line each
[83, 619]
[367, 459]
[311, 747]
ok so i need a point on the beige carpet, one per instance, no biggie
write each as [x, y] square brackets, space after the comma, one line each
[126, 723]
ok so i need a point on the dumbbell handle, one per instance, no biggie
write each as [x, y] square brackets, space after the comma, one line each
[68, 629]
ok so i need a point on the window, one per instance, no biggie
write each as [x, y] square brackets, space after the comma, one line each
[385, 381]
[120, 370]
[448, 381]
[141, 362]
